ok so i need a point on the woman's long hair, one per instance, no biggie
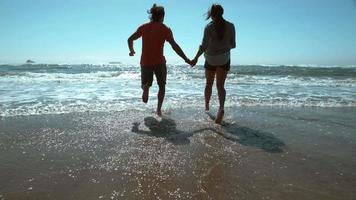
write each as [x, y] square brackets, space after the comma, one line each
[216, 11]
[156, 13]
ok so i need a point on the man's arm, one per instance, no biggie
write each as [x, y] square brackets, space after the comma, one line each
[133, 37]
[178, 50]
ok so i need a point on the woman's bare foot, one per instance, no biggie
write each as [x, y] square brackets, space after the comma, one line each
[206, 107]
[145, 93]
[219, 116]
[159, 112]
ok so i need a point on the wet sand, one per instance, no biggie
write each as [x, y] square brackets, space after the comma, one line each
[259, 153]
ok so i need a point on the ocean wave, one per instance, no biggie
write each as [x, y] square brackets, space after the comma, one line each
[292, 102]
[51, 89]
[84, 77]
[63, 68]
[291, 81]
[257, 70]
[294, 71]
[180, 76]
[39, 108]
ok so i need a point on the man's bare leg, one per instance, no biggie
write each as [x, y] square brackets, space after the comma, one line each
[160, 95]
[145, 93]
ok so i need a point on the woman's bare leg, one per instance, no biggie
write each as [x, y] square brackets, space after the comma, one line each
[209, 77]
[220, 85]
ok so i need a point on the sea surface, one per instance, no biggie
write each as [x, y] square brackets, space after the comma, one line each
[64, 88]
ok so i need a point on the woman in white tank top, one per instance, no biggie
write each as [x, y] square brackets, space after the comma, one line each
[219, 38]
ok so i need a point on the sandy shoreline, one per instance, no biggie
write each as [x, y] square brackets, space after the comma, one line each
[261, 153]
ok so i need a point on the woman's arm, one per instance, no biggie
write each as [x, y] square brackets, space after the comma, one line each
[202, 47]
[200, 51]
[233, 38]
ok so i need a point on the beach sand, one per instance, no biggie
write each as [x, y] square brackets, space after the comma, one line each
[259, 153]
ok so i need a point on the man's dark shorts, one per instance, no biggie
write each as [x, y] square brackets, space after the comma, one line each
[160, 72]
[213, 68]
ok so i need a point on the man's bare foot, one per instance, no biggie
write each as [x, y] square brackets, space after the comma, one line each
[206, 107]
[219, 116]
[145, 93]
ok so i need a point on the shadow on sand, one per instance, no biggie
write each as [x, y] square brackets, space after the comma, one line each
[167, 128]
[250, 137]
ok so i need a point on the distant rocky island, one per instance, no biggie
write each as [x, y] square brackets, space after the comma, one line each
[30, 61]
[114, 63]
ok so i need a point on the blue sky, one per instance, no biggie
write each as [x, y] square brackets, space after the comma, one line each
[96, 31]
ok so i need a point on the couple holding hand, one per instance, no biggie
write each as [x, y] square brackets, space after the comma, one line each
[219, 38]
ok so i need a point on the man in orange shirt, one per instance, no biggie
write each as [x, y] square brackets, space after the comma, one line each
[154, 34]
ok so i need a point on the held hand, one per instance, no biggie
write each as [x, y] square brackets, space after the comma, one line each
[193, 62]
[132, 53]
[188, 61]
